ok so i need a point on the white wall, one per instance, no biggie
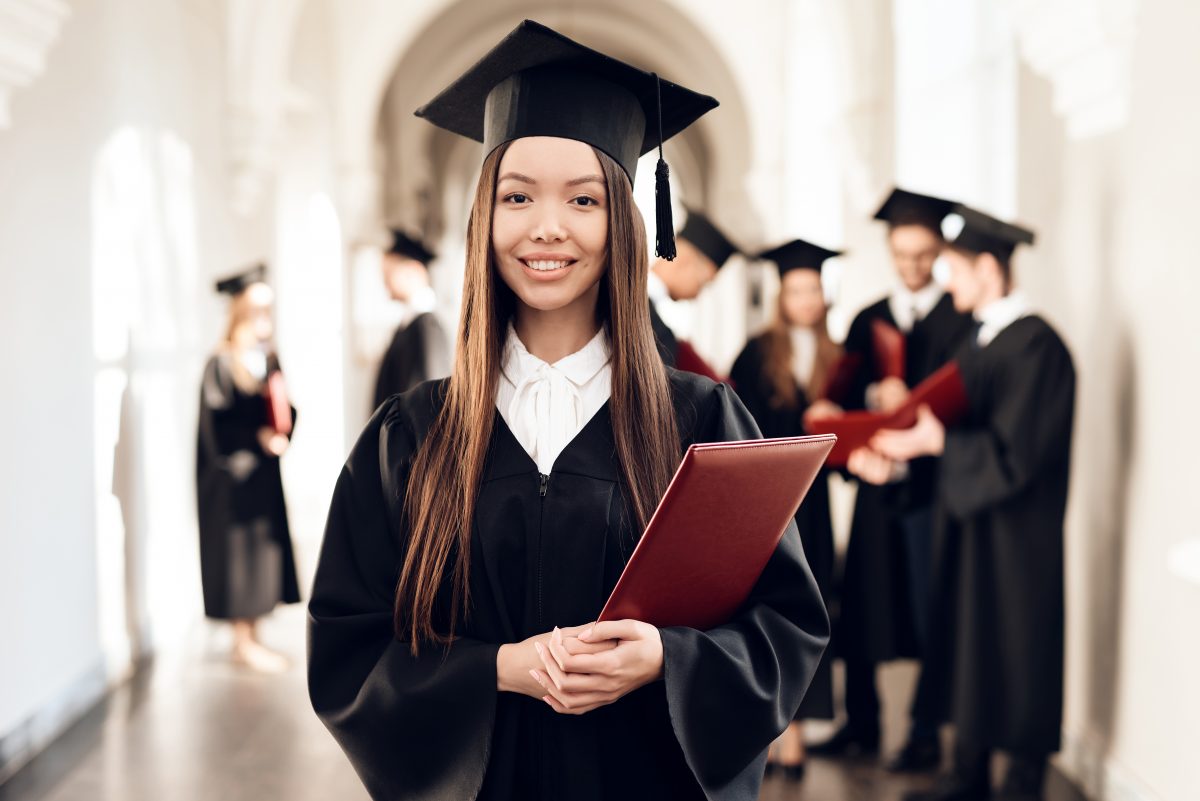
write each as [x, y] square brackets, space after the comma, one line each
[1117, 270]
[113, 169]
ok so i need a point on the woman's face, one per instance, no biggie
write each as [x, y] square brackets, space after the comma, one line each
[257, 325]
[550, 223]
[802, 298]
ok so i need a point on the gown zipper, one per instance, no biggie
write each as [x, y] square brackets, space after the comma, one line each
[543, 486]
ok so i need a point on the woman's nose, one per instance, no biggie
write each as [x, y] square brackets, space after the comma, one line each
[549, 226]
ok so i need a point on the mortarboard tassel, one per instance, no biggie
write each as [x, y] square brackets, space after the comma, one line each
[664, 239]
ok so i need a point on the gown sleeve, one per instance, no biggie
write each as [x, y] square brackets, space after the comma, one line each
[412, 726]
[1029, 426]
[733, 689]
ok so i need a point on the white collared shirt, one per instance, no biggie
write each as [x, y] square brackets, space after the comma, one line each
[804, 354]
[656, 288]
[908, 308]
[547, 405]
[998, 315]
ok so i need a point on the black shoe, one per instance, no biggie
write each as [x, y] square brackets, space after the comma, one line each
[847, 742]
[953, 787]
[917, 756]
[793, 773]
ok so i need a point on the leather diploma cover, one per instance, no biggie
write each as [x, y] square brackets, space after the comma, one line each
[279, 408]
[888, 344]
[715, 529]
[943, 392]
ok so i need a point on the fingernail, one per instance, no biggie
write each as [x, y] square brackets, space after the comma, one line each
[537, 646]
[546, 698]
[536, 677]
[587, 635]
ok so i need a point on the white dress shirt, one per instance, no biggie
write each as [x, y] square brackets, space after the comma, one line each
[998, 315]
[908, 308]
[547, 405]
[656, 288]
[804, 354]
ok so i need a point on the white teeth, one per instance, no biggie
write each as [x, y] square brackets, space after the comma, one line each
[545, 266]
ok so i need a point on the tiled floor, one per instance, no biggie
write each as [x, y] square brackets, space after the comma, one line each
[199, 729]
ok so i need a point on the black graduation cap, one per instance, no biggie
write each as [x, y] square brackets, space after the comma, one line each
[537, 82]
[708, 239]
[911, 208]
[974, 231]
[798, 255]
[236, 284]
[409, 247]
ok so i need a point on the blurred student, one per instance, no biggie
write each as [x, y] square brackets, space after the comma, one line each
[246, 561]
[701, 251]
[419, 350]
[780, 375]
[885, 584]
[995, 662]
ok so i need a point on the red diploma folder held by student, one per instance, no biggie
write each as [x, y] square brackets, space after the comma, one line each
[715, 529]
[888, 344]
[686, 358]
[943, 392]
[841, 378]
[279, 408]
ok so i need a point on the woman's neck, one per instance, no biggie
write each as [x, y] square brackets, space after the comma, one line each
[556, 334]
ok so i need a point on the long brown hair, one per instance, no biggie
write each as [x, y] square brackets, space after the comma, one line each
[777, 360]
[447, 470]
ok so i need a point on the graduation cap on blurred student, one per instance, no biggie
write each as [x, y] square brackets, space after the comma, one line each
[408, 247]
[903, 207]
[969, 229]
[236, 284]
[707, 238]
[798, 255]
[537, 82]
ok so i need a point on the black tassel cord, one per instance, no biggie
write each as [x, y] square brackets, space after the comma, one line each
[664, 226]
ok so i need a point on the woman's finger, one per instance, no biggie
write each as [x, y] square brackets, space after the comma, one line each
[552, 669]
[557, 651]
[575, 646]
[613, 630]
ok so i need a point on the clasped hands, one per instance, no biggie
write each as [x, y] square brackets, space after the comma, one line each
[578, 669]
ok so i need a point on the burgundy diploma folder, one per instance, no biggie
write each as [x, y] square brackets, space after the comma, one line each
[279, 408]
[889, 346]
[942, 392]
[715, 529]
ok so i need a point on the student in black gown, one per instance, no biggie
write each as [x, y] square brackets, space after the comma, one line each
[702, 250]
[780, 375]
[884, 588]
[246, 562]
[481, 521]
[420, 350]
[994, 666]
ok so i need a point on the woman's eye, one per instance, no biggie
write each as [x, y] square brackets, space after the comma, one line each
[584, 200]
[516, 197]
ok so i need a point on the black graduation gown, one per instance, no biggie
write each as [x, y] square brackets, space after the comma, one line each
[812, 518]
[664, 338]
[246, 560]
[434, 726]
[888, 553]
[418, 350]
[995, 664]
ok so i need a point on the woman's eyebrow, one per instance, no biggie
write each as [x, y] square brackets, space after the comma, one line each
[586, 179]
[516, 176]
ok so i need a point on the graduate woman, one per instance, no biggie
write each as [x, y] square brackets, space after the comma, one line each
[246, 564]
[779, 375]
[481, 521]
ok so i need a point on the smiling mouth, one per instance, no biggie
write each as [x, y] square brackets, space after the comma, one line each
[547, 265]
